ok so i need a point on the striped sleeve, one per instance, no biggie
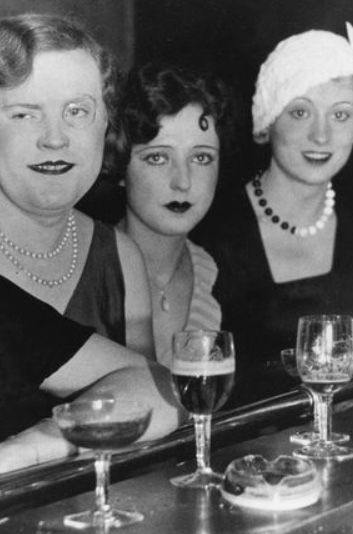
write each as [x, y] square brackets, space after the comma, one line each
[205, 312]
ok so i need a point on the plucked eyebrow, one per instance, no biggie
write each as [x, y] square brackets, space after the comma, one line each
[28, 105]
[21, 105]
[211, 147]
[300, 99]
[344, 102]
[165, 147]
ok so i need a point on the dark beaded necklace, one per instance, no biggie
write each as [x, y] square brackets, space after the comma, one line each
[284, 225]
[258, 192]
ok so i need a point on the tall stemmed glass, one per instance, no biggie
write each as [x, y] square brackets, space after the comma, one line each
[203, 369]
[102, 424]
[305, 437]
[325, 365]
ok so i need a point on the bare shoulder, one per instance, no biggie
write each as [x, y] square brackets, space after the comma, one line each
[127, 248]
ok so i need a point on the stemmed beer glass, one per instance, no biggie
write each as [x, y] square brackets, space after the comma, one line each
[102, 424]
[325, 365]
[305, 437]
[203, 369]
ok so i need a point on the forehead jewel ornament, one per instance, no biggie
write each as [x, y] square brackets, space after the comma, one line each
[297, 64]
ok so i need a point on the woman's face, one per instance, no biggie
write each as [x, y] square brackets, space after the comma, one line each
[52, 131]
[312, 138]
[171, 180]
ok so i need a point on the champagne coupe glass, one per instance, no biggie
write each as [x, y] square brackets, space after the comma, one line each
[102, 424]
[325, 365]
[203, 369]
[305, 437]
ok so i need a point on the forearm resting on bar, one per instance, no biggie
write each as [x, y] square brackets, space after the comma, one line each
[44, 441]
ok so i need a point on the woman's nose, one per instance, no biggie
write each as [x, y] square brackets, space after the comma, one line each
[181, 177]
[53, 135]
[320, 131]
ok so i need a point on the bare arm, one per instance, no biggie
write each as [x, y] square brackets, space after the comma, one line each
[40, 443]
[44, 441]
[151, 385]
[95, 359]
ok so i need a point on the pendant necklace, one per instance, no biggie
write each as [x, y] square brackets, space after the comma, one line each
[162, 289]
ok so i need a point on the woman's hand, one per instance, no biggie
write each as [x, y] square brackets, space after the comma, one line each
[40, 443]
[44, 441]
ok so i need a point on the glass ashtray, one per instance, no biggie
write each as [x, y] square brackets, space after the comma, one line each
[285, 483]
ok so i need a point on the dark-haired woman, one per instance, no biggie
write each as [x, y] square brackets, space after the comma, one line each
[175, 124]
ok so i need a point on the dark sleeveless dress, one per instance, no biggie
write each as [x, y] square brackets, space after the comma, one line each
[35, 339]
[263, 314]
[99, 297]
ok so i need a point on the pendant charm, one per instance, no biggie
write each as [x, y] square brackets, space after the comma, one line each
[164, 303]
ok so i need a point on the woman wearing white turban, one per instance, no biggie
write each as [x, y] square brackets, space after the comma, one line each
[285, 246]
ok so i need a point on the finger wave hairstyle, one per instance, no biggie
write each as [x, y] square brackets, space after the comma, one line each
[23, 36]
[153, 91]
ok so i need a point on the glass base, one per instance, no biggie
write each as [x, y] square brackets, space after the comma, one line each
[324, 451]
[308, 437]
[198, 479]
[116, 519]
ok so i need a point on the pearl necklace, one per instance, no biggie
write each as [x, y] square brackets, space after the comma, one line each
[299, 231]
[71, 229]
[40, 255]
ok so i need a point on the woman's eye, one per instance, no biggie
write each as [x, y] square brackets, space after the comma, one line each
[155, 158]
[76, 112]
[341, 116]
[23, 116]
[299, 113]
[79, 115]
[203, 158]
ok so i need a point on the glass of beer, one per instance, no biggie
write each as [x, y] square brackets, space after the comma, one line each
[325, 365]
[103, 425]
[305, 437]
[203, 369]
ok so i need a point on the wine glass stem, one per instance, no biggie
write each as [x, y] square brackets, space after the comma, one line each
[203, 441]
[324, 407]
[102, 468]
[317, 418]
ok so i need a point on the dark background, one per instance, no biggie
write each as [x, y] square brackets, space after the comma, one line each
[231, 37]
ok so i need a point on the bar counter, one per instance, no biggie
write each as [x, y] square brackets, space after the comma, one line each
[33, 500]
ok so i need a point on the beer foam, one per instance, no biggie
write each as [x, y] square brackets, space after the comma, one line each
[207, 368]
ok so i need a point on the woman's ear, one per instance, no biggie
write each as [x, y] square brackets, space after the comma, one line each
[262, 138]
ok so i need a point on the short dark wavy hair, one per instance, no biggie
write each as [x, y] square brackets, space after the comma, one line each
[24, 36]
[154, 90]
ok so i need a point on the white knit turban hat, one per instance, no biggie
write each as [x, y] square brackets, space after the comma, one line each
[296, 65]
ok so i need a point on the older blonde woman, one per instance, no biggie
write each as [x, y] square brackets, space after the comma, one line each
[57, 105]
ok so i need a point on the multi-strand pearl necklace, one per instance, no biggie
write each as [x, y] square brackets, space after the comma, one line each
[300, 231]
[40, 255]
[71, 230]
